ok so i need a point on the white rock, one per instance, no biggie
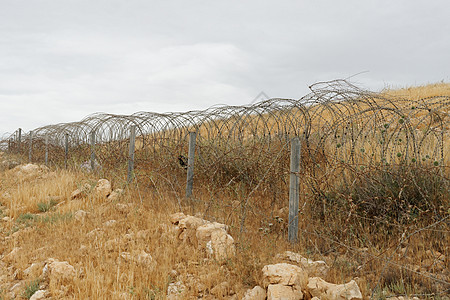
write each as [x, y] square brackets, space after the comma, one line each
[285, 274]
[329, 291]
[110, 223]
[283, 292]
[175, 291]
[80, 215]
[80, 192]
[188, 227]
[115, 195]
[59, 272]
[315, 268]
[222, 244]
[176, 217]
[257, 293]
[33, 270]
[138, 257]
[203, 232]
[103, 188]
[39, 295]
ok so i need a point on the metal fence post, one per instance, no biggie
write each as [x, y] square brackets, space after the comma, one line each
[131, 153]
[19, 140]
[294, 190]
[30, 149]
[46, 150]
[93, 150]
[66, 149]
[190, 169]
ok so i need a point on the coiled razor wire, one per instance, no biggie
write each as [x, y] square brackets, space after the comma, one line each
[351, 139]
[338, 123]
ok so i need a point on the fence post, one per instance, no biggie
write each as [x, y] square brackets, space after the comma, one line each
[131, 153]
[294, 190]
[9, 146]
[93, 150]
[190, 169]
[30, 149]
[19, 141]
[46, 150]
[66, 149]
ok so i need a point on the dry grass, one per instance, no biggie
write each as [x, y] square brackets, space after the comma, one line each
[390, 255]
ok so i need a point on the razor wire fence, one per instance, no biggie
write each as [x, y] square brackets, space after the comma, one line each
[369, 163]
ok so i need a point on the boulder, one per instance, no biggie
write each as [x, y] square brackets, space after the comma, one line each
[176, 218]
[222, 244]
[34, 270]
[138, 257]
[59, 272]
[257, 293]
[328, 291]
[203, 232]
[285, 274]
[39, 295]
[80, 192]
[314, 268]
[80, 215]
[176, 290]
[102, 188]
[115, 195]
[283, 292]
[188, 227]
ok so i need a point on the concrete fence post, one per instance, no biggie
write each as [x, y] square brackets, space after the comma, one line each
[30, 148]
[19, 140]
[92, 140]
[131, 153]
[294, 190]
[190, 168]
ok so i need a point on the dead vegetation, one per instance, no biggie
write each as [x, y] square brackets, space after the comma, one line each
[374, 198]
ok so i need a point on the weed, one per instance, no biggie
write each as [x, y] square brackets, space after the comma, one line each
[46, 206]
[31, 288]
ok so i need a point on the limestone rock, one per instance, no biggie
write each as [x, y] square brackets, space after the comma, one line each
[257, 293]
[188, 227]
[283, 292]
[222, 244]
[203, 232]
[29, 170]
[110, 223]
[315, 268]
[141, 258]
[39, 295]
[80, 192]
[175, 291]
[285, 274]
[103, 188]
[80, 215]
[59, 272]
[115, 195]
[329, 291]
[34, 270]
[176, 218]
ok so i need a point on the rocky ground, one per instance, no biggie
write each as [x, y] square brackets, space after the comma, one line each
[82, 239]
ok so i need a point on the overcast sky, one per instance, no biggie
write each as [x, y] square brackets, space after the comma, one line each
[61, 60]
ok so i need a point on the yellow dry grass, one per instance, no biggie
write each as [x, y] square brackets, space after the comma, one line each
[40, 220]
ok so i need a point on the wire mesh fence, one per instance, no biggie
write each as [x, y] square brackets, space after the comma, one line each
[376, 167]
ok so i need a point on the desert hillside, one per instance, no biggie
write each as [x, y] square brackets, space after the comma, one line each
[373, 216]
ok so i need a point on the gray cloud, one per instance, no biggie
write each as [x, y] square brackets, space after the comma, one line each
[62, 60]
